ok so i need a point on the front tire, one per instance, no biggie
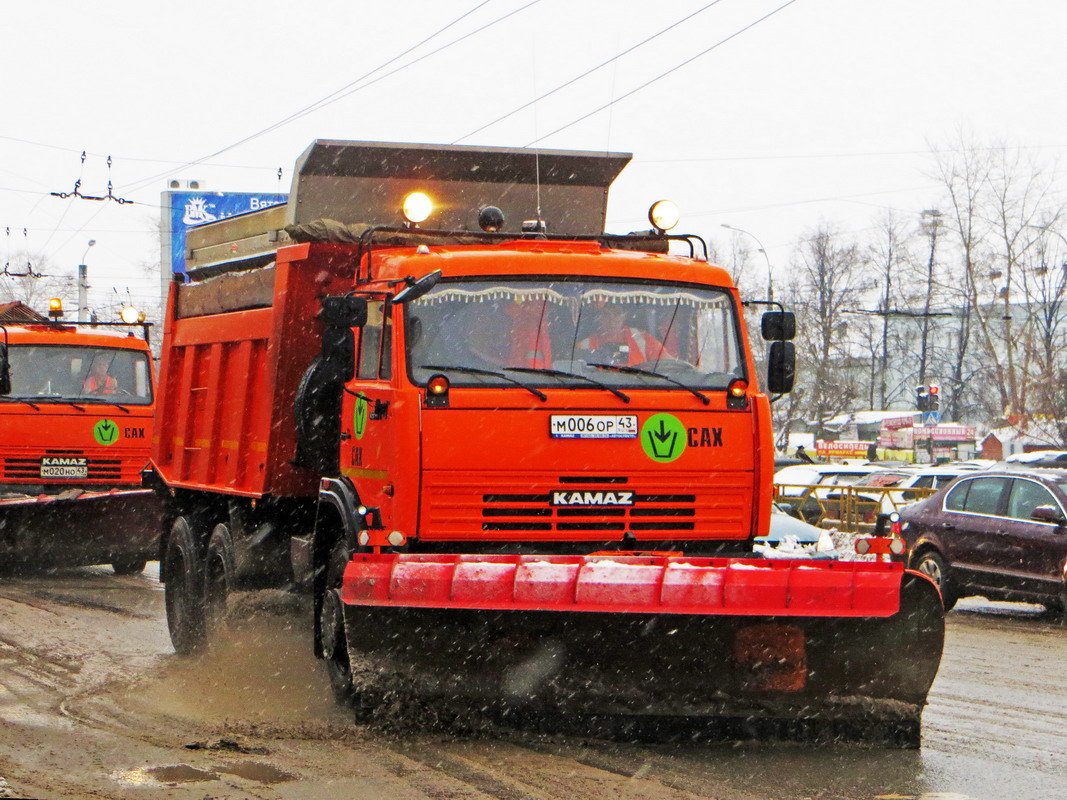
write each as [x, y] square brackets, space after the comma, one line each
[932, 564]
[332, 627]
[184, 588]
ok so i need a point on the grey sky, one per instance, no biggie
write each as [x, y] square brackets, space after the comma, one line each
[825, 111]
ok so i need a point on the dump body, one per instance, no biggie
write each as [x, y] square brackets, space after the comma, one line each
[68, 435]
[516, 441]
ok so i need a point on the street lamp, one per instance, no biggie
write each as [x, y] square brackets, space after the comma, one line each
[770, 284]
[83, 285]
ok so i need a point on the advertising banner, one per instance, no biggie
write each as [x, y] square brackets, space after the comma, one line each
[842, 449]
[182, 210]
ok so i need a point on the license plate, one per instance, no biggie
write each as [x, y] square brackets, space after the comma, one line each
[593, 426]
[64, 468]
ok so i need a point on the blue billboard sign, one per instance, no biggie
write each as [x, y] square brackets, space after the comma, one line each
[195, 208]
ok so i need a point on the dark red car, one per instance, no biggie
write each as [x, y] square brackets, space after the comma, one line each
[999, 533]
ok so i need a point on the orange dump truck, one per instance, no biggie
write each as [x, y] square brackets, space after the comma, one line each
[76, 407]
[517, 460]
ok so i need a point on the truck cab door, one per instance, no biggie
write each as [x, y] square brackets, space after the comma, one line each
[372, 445]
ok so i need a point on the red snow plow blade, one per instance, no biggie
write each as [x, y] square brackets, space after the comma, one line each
[739, 647]
[76, 527]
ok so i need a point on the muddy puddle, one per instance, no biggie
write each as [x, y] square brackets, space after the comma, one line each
[259, 671]
[183, 773]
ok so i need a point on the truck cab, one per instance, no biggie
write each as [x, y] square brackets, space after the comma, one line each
[79, 408]
[556, 391]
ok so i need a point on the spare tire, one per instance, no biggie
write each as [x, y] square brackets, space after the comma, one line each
[317, 414]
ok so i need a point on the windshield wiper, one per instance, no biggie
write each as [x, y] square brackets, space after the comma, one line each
[493, 373]
[99, 401]
[559, 373]
[63, 400]
[638, 371]
[34, 406]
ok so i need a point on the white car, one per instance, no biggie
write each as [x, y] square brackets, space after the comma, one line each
[796, 482]
[901, 485]
[790, 537]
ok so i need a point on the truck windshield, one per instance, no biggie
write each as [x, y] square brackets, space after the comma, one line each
[83, 374]
[669, 332]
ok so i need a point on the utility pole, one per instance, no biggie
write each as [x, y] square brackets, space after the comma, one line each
[931, 224]
[83, 285]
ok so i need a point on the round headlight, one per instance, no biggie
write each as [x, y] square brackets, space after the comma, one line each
[663, 215]
[131, 315]
[417, 207]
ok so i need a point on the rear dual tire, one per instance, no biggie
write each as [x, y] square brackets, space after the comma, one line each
[183, 591]
[219, 572]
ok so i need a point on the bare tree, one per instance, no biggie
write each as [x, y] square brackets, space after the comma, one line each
[830, 277]
[29, 279]
[889, 257]
[964, 171]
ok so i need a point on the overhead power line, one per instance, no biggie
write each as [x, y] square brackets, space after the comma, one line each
[590, 71]
[352, 86]
[664, 74]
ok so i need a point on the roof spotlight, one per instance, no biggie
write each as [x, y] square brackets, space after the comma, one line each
[131, 315]
[490, 219]
[417, 207]
[663, 215]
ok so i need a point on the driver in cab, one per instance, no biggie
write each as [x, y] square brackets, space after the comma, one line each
[98, 381]
[616, 341]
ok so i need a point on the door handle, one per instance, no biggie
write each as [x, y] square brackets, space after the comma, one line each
[947, 526]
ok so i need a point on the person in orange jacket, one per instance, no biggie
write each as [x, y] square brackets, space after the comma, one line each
[98, 381]
[617, 342]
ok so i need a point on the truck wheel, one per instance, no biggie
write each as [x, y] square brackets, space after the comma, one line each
[332, 626]
[128, 565]
[218, 579]
[183, 593]
[931, 564]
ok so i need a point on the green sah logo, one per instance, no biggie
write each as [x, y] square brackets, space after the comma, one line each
[359, 416]
[106, 432]
[663, 437]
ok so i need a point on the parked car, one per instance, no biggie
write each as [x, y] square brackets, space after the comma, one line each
[790, 537]
[793, 485]
[1000, 533]
[901, 487]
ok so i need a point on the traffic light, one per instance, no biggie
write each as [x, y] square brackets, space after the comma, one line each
[922, 399]
[933, 397]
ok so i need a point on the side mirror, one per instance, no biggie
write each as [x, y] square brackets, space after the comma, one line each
[781, 367]
[1049, 513]
[778, 326]
[417, 288]
[344, 311]
[339, 353]
[5, 371]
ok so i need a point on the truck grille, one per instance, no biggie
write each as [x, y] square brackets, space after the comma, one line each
[579, 508]
[28, 468]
